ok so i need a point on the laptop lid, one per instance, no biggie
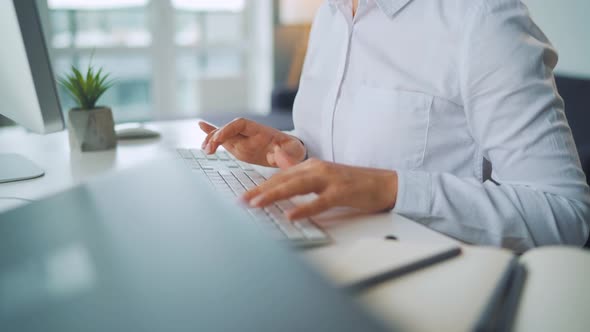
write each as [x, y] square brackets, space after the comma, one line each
[155, 249]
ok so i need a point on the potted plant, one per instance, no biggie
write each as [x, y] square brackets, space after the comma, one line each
[91, 127]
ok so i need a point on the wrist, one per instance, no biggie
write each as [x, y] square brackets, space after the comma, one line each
[389, 189]
[304, 152]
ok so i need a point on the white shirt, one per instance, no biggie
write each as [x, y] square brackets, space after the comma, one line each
[429, 88]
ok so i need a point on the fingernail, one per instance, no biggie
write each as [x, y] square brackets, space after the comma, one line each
[208, 148]
[203, 145]
[255, 202]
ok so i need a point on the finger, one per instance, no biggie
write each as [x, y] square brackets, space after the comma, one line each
[232, 130]
[285, 190]
[275, 180]
[283, 159]
[237, 127]
[315, 207]
[207, 128]
[207, 140]
[270, 159]
[250, 194]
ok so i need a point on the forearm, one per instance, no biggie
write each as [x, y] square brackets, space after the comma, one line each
[514, 216]
[381, 187]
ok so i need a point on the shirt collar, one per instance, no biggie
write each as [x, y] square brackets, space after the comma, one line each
[389, 7]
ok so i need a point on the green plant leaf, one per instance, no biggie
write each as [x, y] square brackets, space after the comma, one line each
[86, 89]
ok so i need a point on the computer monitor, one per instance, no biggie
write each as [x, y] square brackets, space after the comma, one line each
[28, 93]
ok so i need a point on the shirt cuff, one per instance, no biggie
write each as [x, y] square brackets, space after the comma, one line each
[414, 193]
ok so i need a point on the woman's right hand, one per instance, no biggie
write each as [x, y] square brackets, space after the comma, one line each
[252, 142]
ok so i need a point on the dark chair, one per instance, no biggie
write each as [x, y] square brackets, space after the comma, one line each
[576, 93]
[278, 120]
[280, 117]
[283, 98]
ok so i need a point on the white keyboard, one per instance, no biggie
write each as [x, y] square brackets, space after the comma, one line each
[233, 178]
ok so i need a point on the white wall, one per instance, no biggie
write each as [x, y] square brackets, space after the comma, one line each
[567, 24]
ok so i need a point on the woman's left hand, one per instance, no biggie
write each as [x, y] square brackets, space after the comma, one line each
[367, 189]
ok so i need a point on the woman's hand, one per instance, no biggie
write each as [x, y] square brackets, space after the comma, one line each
[370, 190]
[251, 142]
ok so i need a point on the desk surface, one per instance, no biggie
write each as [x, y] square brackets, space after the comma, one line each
[65, 169]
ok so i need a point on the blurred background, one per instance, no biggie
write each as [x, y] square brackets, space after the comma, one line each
[171, 58]
[188, 58]
[180, 58]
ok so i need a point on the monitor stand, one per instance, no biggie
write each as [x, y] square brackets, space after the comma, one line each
[14, 167]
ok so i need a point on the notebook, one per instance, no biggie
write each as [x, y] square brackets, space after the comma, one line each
[456, 294]
[556, 294]
[389, 260]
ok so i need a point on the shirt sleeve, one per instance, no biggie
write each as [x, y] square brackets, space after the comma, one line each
[516, 116]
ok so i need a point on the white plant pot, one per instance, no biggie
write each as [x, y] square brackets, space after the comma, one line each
[92, 130]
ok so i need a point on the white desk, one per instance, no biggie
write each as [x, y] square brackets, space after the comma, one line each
[65, 169]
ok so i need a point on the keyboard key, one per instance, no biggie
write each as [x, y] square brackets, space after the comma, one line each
[273, 211]
[223, 156]
[249, 185]
[225, 172]
[236, 187]
[285, 205]
[198, 154]
[206, 165]
[229, 178]
[290, 231]
[309, 230]
[265, 221]
[245, 166]
[244, 180]
[231, 164]
[256, 178]
[233, 183]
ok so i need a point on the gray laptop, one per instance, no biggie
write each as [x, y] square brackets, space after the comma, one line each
[154, 249]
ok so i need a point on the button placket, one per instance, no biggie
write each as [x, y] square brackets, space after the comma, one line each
[346, 12]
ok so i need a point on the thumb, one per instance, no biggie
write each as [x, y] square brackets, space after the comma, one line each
[207, 128]
[283, 159]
